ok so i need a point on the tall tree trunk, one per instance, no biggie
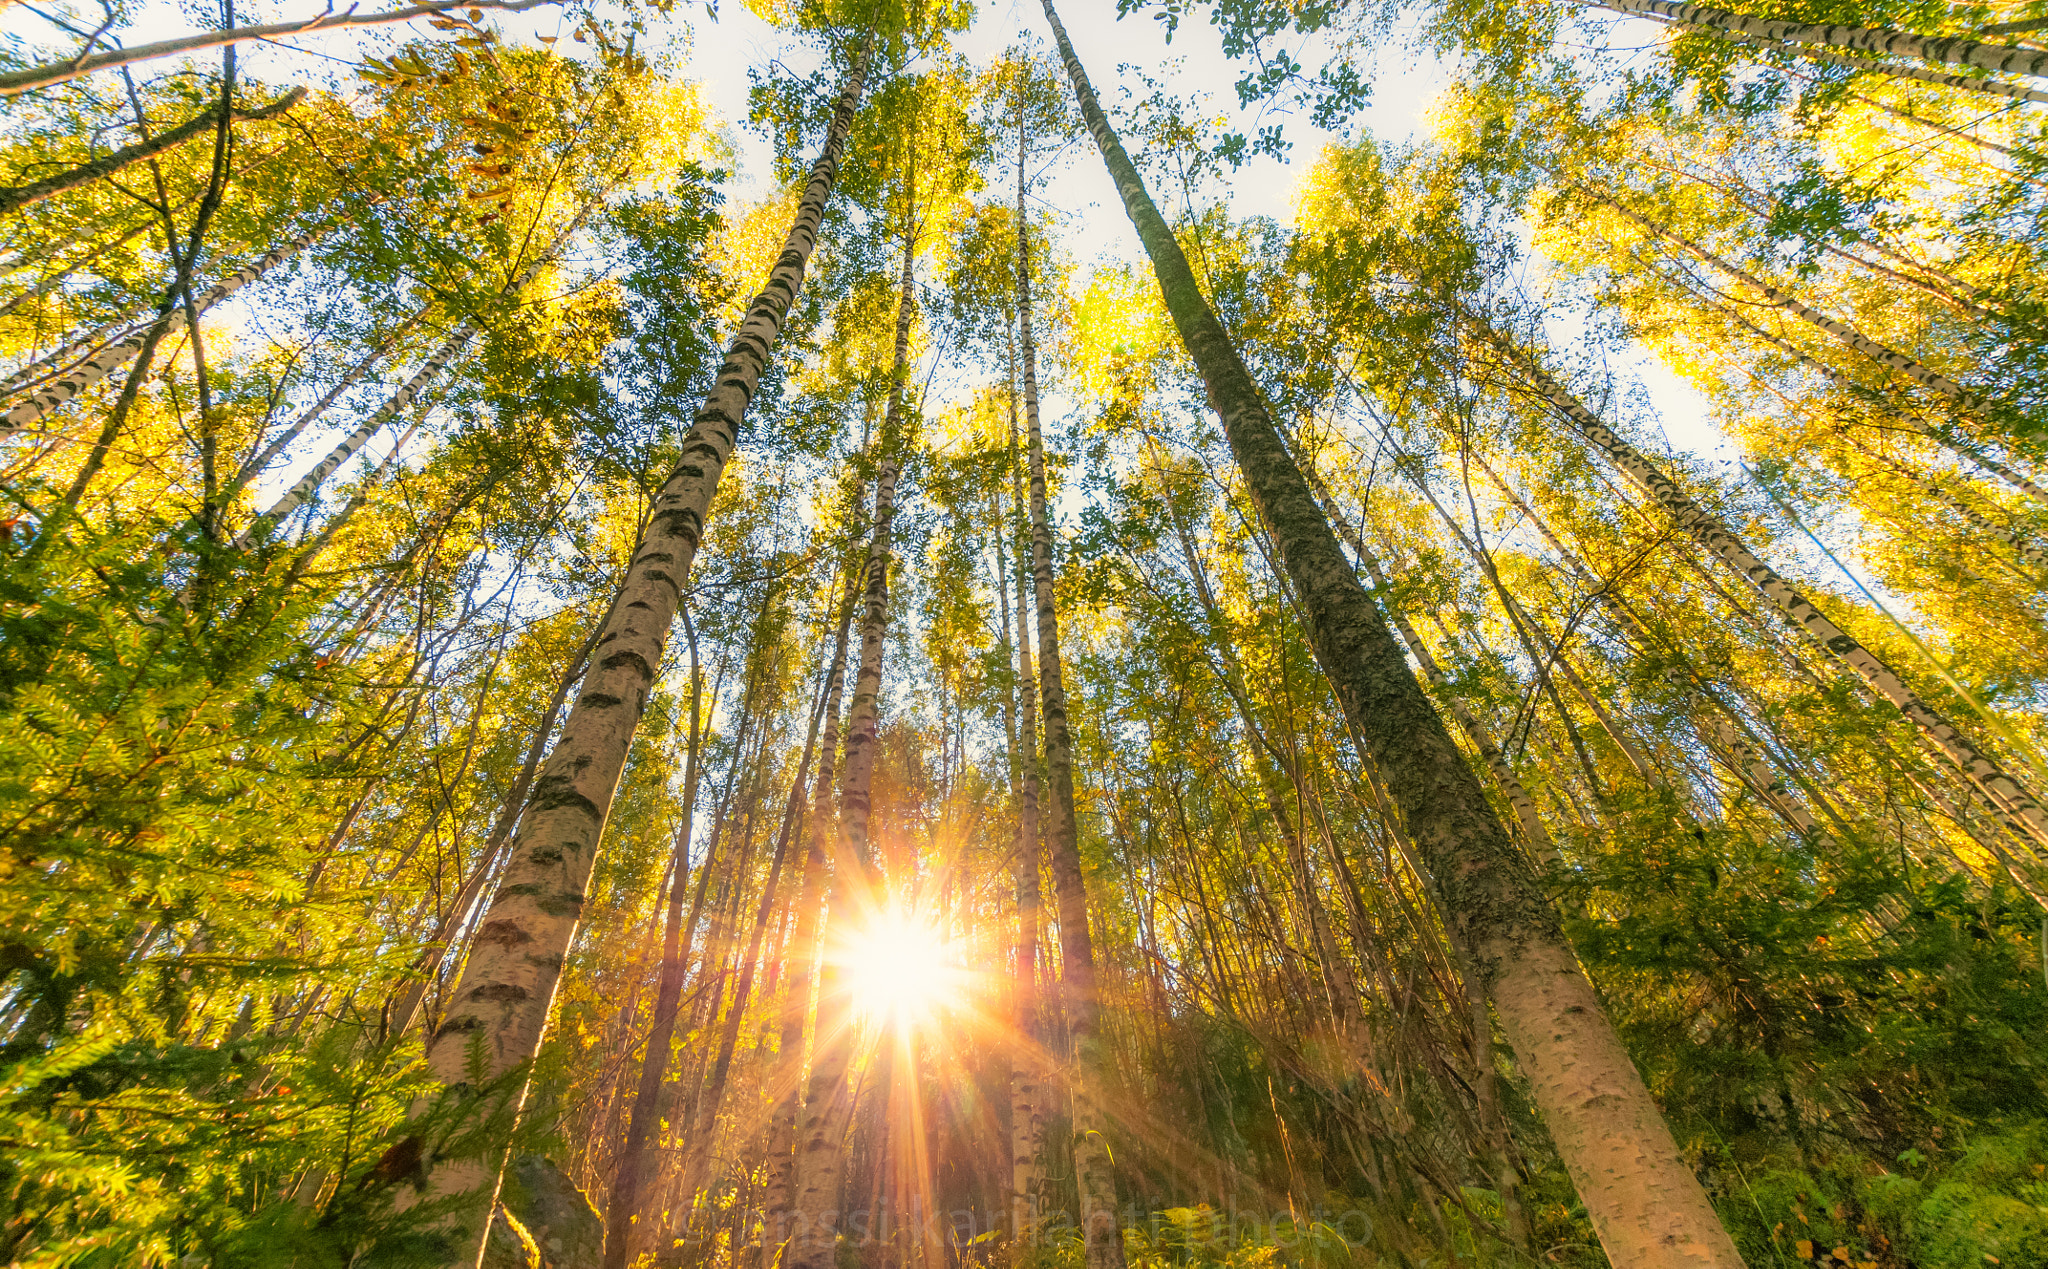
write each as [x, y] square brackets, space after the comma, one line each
[1028, 1093]
[1094, 1170]
[404, 1008]
[1645, 1203]
[301, 493]
[111, 358]
[802, 957]
[1896, 70]
[253, 468]
[500, 1007]
[2003, 789]
[622, 1212]
[1939, 435]
[20, 196]
[1877, 352]
[1276, 771]
[2005, 59]
[855, 876]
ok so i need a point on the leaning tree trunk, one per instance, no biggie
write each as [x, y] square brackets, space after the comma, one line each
[1884, 356]
[20, 196]
[1269, 764]
[2005, 59]
[253, 468]
[1896, 70]
[111, 358]
[802, 957]
[2003, 789]
[499, 1010]
[1094, 1170]
[820, 1146]
[2026, 548]
[1646, 1204]
[1940, 436]
[299, 494]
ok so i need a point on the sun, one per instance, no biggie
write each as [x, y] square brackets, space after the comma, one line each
[898, 968]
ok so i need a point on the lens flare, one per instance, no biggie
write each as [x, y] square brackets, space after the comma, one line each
[898, 968]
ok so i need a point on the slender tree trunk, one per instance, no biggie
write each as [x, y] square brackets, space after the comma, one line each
[1644, 1201]
[1094, 1171]
[802, 956]
[1270, 764]
[254, 467]
[2003, 789]
[1895, 70]
[2005, 59]
[500, 1008]
[20, 196]
[820, 1146]
[2028, 550]
[714, 1092]
[1028, 1068]
[1897, 361]
[111, 358]
[622, 1213]
[301, 493]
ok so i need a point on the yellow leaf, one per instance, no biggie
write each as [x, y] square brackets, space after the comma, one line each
[462, 63]
[1805, 1248]
[500, 192]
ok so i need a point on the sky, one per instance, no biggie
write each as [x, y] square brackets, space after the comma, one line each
[718, 55]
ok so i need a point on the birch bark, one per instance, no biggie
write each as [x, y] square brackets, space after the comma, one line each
[1998, 785]
[111, 358]
[820, 1152]
[1644, 1201]
[1094, 1171]
[2005, 59]
[1028, 1091]
[499, 1010]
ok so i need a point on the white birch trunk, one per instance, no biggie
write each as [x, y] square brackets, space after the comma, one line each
[2004, 59]
[111, 358]
[1897, 361]
[2001, 787]
[498, 1012]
